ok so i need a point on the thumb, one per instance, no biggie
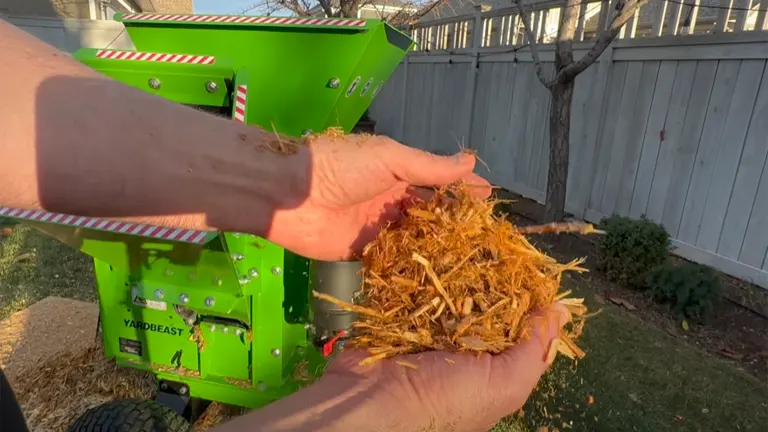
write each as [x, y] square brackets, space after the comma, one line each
[421, 168]
[520, 367]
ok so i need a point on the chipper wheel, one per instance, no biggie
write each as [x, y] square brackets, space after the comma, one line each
[130, 415]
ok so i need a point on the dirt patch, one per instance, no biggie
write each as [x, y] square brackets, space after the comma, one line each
[50, 326]
[737, 329]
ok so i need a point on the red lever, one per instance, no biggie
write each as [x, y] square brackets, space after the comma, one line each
[328, 346]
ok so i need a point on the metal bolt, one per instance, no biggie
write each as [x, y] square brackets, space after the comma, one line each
[159, 294]
[163, 386]
[276, 352]
[340, 345]
[192, 276]
[306, 133]
[237, 256]
[154, 83]
[262, 386]
[217, 281]
[183, 391]
[213, 327]
[239, 332]
[210, 301]
[334, 82]
[184, 298]
[254, 273]
[169, 271]
[225, 329]
[300, 351]
[211, 86]
[243, 279]
[276, 271]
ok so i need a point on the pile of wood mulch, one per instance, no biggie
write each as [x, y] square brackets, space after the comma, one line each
[453, 276]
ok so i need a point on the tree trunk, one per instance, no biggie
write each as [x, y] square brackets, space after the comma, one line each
[348, 8]
[561, 97]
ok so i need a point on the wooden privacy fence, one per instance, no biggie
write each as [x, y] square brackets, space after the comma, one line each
[672, 127]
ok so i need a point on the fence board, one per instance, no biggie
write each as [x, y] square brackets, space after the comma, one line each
[756, 239]
[731, 146]
[708, 144]
[524, 82]
[651, 140]
[496, 146]
[753, 158]
[480, 108]
[533, 111]
[635, 135]
[619, 141]
[673, 127]
[615, 88]
[418, 104]
[692, 171]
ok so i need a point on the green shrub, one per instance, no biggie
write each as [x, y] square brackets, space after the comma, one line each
[630, 248]
[690, 289]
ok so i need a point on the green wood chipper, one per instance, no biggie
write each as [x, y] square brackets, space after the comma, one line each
[224, 316]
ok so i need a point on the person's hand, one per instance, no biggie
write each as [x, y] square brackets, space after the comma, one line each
[355, 185]
[453, 392]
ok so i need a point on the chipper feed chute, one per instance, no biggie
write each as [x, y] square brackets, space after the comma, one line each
[227, 316]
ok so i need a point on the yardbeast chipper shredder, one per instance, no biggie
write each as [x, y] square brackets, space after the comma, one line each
[225, 316]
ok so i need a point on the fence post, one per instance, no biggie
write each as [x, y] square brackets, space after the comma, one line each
[477, 43]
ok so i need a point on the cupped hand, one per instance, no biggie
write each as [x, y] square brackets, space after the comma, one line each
[357, 185]
[455, 392]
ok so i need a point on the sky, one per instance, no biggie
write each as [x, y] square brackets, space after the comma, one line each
[223, 6]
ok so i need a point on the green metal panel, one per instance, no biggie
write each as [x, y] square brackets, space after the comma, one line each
[290, 67]
[226, 351]
[179, 82]
[226, 313]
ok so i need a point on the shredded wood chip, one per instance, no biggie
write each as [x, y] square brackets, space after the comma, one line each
[407, 364]
[552, 351]
[455, 276]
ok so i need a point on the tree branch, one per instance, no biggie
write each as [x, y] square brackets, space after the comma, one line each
[326, 5]
[603, 41]
[532, 43]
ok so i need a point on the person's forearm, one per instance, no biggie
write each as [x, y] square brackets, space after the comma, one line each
[333, 404]
[74, 141]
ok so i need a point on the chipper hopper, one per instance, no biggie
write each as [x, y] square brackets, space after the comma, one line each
[225, 316]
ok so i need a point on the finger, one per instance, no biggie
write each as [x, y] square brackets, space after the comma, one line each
[420, 168]
[477, 185]
[522, 365]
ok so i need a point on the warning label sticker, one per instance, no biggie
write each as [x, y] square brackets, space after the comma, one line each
[151, 304]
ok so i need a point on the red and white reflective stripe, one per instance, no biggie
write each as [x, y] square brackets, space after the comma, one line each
[174, 234]
[240, 96]
[239, 19]
[155, 57]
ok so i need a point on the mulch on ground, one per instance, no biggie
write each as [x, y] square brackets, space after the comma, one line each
[56, 366]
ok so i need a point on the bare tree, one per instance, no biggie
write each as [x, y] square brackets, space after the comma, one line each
[561, 86]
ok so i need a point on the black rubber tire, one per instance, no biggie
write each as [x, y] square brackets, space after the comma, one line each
[130, 415]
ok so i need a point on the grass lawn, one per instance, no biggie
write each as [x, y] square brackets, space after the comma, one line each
[640, 378]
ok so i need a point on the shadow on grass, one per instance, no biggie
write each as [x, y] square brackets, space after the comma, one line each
[34, 266]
